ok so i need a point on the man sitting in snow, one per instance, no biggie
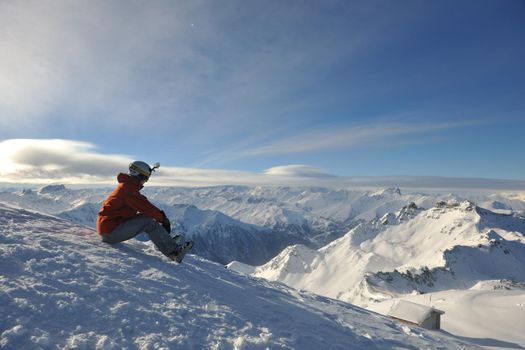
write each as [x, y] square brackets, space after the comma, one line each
[126, 213]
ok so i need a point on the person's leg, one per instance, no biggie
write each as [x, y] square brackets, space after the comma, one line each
[128, 229]
[161, 238]
[140, 223]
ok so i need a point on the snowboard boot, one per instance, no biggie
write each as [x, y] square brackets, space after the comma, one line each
[177, 239]
[181, 250]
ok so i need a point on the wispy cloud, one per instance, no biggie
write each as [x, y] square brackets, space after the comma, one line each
[379, 133]
[41, 161]
[341, 137]
[44, 161]
[179, 64]
[298, 170]
[100, 62]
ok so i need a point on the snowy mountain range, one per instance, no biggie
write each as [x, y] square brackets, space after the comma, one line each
[251, 224]
[366, 247]
[234, 223]
[62, 288]
[454, 245]
[223, 239]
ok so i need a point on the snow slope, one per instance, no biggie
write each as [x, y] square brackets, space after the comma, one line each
[83, 213]
[246, 224]
[453, 245]
[414, 254]
[62, 288]
[222, 239]
[490, 314]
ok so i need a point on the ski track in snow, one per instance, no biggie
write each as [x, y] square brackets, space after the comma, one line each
[62, 288]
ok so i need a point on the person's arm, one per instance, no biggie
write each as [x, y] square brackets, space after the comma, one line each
[141, 204]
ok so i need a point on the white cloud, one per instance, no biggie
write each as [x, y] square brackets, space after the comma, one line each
[346, 137]
[41, 161]
[44, 161]
[30, 161]
[378, 133]
[297, 170]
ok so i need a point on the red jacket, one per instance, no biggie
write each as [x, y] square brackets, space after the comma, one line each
[124, 203]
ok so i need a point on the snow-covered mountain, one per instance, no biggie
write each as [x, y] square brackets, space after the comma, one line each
[246, 224]
[62, 288]
[223, 239]
[319, 215]
[54, 199]
[255, 222]
[504, 203]
[455, 253]
[82, 213]
[452, 245]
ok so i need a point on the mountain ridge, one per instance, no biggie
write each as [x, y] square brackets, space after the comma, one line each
[62, 287]
[419, 251]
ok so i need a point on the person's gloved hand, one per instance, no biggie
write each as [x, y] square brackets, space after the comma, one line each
[166, 223]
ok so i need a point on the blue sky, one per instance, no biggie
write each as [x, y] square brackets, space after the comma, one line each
[347, 88]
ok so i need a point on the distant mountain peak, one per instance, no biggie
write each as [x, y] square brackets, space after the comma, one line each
[52, 189]
[390, 191]
[464, 205]
[27, 192]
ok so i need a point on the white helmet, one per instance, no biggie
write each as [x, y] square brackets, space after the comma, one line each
[141, 170]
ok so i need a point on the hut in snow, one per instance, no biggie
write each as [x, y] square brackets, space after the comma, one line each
[416, 314]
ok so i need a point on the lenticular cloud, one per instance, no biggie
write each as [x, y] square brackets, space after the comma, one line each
[55, 159]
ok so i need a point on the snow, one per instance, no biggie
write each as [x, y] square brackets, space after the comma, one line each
[50, 189]
[307, 210]
[308, 215]
[456, 242]
[240, 267]
[366, 247]
[454, 245]
[304, 215]
[62, 288]
[489, 318]
[410, 311]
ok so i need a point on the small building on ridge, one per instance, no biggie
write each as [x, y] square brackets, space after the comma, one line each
[416, 314]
